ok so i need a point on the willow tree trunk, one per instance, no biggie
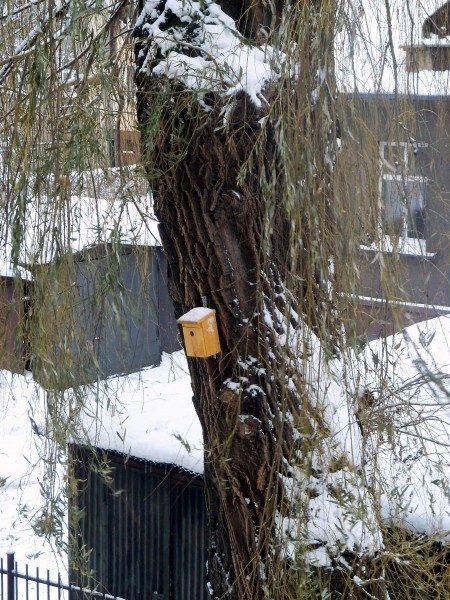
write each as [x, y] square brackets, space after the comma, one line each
[219, 185]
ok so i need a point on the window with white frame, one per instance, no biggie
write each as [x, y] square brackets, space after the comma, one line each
[402, 190]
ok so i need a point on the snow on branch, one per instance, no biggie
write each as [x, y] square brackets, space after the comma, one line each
[199, 45]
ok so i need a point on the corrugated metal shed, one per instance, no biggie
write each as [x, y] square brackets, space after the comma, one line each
[117, 309]
[106, 311]
[145, 527]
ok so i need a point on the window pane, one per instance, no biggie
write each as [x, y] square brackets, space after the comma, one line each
[403, 207]
[394, 216]
[416, 204]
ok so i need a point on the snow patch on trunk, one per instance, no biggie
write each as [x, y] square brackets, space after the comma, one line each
[199, 45]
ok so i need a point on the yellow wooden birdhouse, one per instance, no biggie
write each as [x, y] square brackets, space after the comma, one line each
[201, 337]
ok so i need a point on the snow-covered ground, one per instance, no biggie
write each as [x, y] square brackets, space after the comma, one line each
[409, 426]
[20, 472]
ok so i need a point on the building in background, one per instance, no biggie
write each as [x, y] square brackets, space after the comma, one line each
[434, 52]
[395, 168]
[399, 187]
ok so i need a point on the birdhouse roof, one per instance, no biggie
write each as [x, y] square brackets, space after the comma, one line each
[196, 315]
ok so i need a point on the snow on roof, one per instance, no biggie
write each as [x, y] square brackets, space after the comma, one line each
[87, 222]
[153, 417]
[365, 60]
[7, 269]
[196, 314]
[52, 228]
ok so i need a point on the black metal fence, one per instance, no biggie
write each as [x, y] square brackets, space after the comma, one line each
[16, 585]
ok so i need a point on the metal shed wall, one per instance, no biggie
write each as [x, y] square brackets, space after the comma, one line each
[188, 528]
[146, 529]
[101, 312]
[118, 310]
[168, 328]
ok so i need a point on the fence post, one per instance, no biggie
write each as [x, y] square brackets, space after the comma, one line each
[10, 576]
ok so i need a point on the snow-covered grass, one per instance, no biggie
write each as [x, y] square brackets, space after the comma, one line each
[408, 423]
[383, 457]
[20, 473]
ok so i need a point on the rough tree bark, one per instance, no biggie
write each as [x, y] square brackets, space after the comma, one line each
[227, 242]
